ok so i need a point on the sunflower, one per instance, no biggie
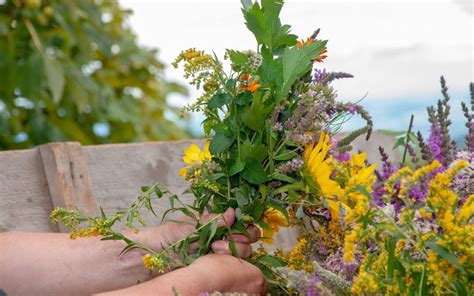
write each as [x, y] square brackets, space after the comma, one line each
[320, 168]
[274, 219]
[193, 154]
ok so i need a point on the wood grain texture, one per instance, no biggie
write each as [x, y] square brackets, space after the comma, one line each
[116, 174]
[69, 182]
[119, 171]
[25, 204]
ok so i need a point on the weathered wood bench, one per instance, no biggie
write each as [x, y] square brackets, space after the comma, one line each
[66, 174]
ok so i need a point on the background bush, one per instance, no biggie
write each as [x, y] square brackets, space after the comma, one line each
[72, 70]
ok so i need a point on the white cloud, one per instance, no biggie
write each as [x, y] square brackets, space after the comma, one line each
[394, 48]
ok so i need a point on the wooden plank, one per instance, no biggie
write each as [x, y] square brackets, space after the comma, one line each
[25, 204]
[118, 172]
[68, 177]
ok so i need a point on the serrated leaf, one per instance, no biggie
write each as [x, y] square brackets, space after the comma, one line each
[298, 61]
[55, 77]
[255, 115]
[238, 58]
[218, 100]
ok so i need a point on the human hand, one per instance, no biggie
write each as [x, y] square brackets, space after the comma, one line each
[210, 273]
[224, 273]
[170, 232]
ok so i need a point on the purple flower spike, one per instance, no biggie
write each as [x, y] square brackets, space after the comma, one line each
[435, 143]
[312, 290]
[320, 76]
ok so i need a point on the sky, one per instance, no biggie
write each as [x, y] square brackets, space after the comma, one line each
[396, 49]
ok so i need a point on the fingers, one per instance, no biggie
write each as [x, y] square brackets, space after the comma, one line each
[251, 237]
[222, 247]
[227, 219]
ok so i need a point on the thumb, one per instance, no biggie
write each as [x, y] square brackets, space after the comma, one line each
[227, 218]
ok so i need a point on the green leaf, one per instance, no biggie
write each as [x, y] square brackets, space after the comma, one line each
[212, 232]
[220, 142]
[237, 58]
[30, 75]
[254, 116]
[286, 155]
[236, 167]
[242, 200]
[219, 99]
[298, 61]
[445, 254]
[233, 249]
[271, 260]
[281, 177]
[257, 152]
[390, 245]
[264, 23]
[203, 235]
[55, 76]
[243, 98]
[158, 192]
[254, 172]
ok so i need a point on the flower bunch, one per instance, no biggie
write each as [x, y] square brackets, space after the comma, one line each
[400, 230]
[272, 153]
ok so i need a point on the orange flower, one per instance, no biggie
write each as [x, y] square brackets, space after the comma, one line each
[253, 86]
[322, 56]
[301, 42]
[245, 77]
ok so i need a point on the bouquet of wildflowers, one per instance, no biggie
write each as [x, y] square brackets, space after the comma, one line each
[272, 154]
[400, 230]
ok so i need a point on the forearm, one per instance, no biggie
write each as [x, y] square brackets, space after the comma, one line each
[52, 263]
[185, 281]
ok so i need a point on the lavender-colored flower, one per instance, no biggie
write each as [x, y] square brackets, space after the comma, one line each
[435, 142]
[336, 264]
[291, 166]
[378, 192]
[320, 76]
[346, 156]
[352, 108]
[417, 194]
[312, 289]
[387, 169]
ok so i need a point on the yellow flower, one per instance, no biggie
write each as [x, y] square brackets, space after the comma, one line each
[274, 219]
[193, 154]
[320, 168]
[153, 261]
[364, 284]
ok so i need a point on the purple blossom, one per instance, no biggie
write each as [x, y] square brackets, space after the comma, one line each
[417, 194]
[379, 191]
[336, 264]
[346, 156]
[320, 76]
[435, 142]
[312, 289]
[352, 108]
[387, 169]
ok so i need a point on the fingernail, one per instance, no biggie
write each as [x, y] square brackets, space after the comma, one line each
[219, 245]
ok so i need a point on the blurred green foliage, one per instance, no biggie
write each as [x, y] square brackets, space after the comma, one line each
[72, 70]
